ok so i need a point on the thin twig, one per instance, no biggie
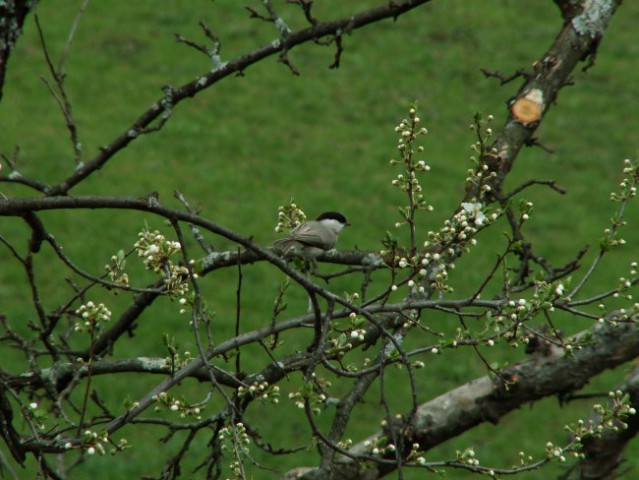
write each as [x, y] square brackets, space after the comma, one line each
[71, 37]
[549, 183]
[238, 314]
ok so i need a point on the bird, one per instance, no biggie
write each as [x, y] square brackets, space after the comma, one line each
[310, 239]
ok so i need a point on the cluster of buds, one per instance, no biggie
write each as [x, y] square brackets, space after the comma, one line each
[261, 390]
[611, 417]
[178, 406]
[235, 433]
[507, 323]
[155, 249]
[407, 181]
[480, 177]
[524, 458]
[430, 270]
[298, 398]
[288, 217]
[467, 456]
[628, 186]
[115, 269]
[177, 360]
[358, 334]
[345, 444]
[384, 450]
[458, 232]
[92, 316]
[175, 280]
[355, 324]
[236, 440]
[554, 452]
[619, 408]
[382, 445]
[627, 191]
[409, 130]
[547, 293]
[317, 400]
[623, 290]
[341, 343]
[625, 284]
[156, 252]
[93, 442]
[416, 455]
[461, 229]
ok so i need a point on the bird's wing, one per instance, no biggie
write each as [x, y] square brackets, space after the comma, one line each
[306, 234]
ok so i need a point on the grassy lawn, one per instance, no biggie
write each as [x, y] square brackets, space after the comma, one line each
[324, 137]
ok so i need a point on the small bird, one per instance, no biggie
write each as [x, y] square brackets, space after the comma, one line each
[310, 239]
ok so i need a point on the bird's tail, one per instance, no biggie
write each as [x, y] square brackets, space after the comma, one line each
[284, 247]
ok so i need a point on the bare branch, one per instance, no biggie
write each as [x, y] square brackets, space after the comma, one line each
[504, 79]
[161, 110]
[549, 183]
[59, 93]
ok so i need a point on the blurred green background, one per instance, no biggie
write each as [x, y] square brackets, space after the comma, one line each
[251, 143]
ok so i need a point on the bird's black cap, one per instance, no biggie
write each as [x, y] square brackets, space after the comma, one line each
[333, 216]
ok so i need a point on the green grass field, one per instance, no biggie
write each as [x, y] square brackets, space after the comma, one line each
[252, 143]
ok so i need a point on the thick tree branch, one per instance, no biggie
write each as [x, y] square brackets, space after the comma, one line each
[577, 40]
[486, 400]
[12, 16]
[61, 373]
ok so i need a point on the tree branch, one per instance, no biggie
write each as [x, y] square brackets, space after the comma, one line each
[12, 16]
[486, 400]
[161, 109]
[577, 40]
